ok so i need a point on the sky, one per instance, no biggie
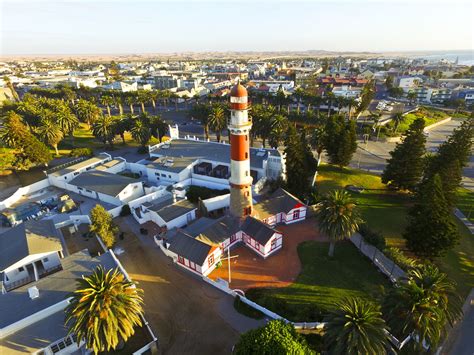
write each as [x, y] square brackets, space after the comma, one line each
[134, 26]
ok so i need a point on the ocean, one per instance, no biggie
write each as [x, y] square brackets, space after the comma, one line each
[465, 57]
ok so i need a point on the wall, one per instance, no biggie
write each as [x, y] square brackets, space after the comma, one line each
[131, 192]
[279, 242]
[181, 221]
[289, 216]
[37, 186]
[15, 275]
[206, 270]
[109, 199]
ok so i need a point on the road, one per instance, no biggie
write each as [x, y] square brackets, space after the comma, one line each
[462, 335]
[188, 315]
[372, 156]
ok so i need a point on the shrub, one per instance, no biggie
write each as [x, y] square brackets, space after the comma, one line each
[125, 211]
[247, 310]
[195, 193]
[81, 152]
[374, 238]
[399, 258]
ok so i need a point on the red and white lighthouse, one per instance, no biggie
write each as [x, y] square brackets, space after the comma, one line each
[240, 178]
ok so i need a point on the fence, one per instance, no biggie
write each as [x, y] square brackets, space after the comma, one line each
[18, 194]
[384, 264]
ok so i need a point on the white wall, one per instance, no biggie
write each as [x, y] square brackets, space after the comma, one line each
[14, 274]
[23, 191]
[131, 192]
[289, 216]
[181, 221]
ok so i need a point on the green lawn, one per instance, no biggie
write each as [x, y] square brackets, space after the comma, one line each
[385, 211]
[322, 282]
[430, 115]
[466, 203]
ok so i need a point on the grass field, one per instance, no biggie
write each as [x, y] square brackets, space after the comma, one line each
[429, 114]
[386, 211]
[323, 282]
[466, 203]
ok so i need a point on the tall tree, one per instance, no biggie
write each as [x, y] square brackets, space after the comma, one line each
[87, 111]
[158, 127]
[421, 305]
[453, 155]
[431, 231]
[201, 112]
[49, 133]
[104, 309]
[405, 166]
[107, 101]
[217, 120]
[340, 140]
[356, 327]
[276, 338]
[338, 217]
[141, 131]
[103, 129]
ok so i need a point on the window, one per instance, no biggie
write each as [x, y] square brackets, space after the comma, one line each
[21, 269]
[169, 176]
[296, 214]
[246, 138]
[246, 155]
[180, 259]
[233, 237]
[45, 260]
[211, 260]
[246, 194]
[246, 173]
[163, 175]
[274, 244]
[135, 187]
[80, 188]
[247, 211]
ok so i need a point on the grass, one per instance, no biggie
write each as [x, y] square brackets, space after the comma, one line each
[430, 115]
[466, 203]
[383, 210]
[386, 211]
[246, 310]
[323, 282]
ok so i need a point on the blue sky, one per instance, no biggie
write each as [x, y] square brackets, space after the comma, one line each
[102, 27]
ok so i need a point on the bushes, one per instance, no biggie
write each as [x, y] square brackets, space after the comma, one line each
[81, 152]
[125, 211]
[247, 310]
[195, 193]
[374, 238]
[399, 258]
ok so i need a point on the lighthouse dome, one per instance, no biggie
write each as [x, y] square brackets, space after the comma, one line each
[238, 91]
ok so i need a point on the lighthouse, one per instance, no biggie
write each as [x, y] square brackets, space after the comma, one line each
[240, 179]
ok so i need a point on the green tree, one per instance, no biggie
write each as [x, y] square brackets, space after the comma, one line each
[107, 101]
[340, 140]
[405, 166]
[431, 231]
[397, 119]
[338, 217]
[103, 129]
[356, 327]
[158, 127]
[217, 120]
[412, 96]
[421, 306]
[87, 111]
[104, 309]
[453, 155]
[201, 112]
[50, 134]
[102, 225]
[123, 124]
[141, 130]
[275, 338]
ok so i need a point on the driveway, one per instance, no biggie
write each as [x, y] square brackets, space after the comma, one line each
[188, 315]
[249, 270]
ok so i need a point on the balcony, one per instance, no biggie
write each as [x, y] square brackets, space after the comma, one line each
[31, 277]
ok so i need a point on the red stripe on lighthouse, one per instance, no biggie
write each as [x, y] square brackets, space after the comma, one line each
[239, 147]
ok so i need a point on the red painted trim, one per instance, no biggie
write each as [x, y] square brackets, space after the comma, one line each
[240, 187]
[238, 106]
[239, 148]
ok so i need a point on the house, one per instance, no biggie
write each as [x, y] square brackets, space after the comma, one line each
[32, 318]
[111, 188]
[121, 86]
[200, 246]
[169, 212]
[281, 207]
[28, 252]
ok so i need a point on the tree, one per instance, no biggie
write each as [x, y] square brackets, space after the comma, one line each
[421, 305]
[158, 127]
[49, 133]
[389, 82]
[340, 140]
[121, 125]
[142, 99]
[104, 309]
[279, 126]
[141, 130]
[453, 155]
[87, 111]
[64, 117]
[201, 112]
[405, 166]
[412, 96]
[338, 217]
[356, 327]
[275, 338]
[366, 97]
[102, 225]
[431, 232]
[397, 119]
[107, 101]
[103, 129]
[130, 100]
[217, 120]
[7, 81]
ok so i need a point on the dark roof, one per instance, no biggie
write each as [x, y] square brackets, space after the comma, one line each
[28, 238]
[16, 304]
[80, 165]
[189, 248]
[219, 231]
[103, 182]
[168, 210]
[258, 230]
[279, 201]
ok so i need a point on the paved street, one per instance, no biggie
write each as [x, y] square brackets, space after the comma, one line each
[188, 315]
[372, 156]
[463, 344]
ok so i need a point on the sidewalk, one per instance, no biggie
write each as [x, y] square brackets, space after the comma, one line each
[464, 220]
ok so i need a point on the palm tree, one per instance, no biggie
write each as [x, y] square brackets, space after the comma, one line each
[298, 94]
[411, 96]
[140, 131]
[142, 99]
[279, 127]
[422, 305]
[118, 101]
[153, 96]
[330, 98]
[217, 120]
[103, 129]
[356, 327]
[351, 103]
[7, 81]
[338, 217]
[104, 310]
[66, 119]
[107, 101]
[123, 124]
[50, 133]
[130, 100]
[201, 112]
[398, 118]
[87, 111]
[158, 127]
